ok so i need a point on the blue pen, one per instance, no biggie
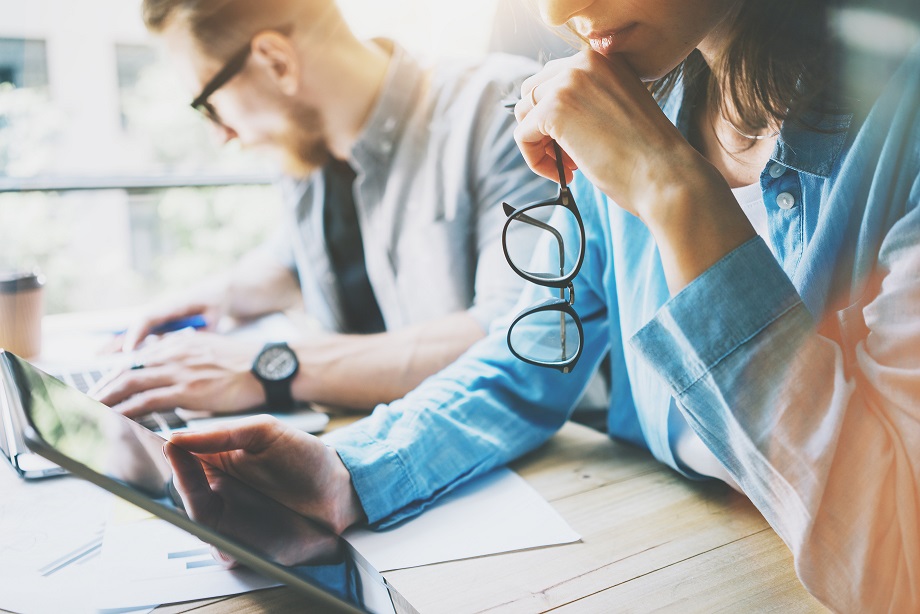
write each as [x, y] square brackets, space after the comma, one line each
[195, 321]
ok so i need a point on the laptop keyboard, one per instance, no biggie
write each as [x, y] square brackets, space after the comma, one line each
[81, 380]
[155, 422]
[84, 380]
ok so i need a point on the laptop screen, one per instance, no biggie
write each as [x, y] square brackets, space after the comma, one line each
[114, 452]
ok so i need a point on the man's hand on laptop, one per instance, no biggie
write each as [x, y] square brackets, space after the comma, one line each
[193, 370]
[295, 469]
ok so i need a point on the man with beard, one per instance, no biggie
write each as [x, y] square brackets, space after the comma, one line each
[395, 178]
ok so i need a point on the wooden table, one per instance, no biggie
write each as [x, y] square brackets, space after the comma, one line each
[650, 540]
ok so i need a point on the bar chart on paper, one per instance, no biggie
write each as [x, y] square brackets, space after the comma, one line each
[151, 561]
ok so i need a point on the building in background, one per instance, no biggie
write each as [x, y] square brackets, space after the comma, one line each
[87, 102]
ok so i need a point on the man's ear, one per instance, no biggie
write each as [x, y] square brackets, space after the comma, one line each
[276, 54]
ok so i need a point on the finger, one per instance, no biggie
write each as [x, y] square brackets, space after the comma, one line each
[139, 331]
[226, 561]
[549, 70]
[172, 349]
[149, 401]
[534, 136]
[253, 434]
[529, 92]
[566, 160]
[192, 485]
[539, 156]
[113, 346]
[131, 382]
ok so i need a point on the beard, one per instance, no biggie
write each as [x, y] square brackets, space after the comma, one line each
[303, 147]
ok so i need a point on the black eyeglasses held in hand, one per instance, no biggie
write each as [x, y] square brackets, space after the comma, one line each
[531, 225]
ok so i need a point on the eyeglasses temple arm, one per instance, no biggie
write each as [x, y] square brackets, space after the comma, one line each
[523, 217]
[559, 167]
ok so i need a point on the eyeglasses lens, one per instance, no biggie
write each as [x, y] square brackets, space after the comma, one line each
[548, 337]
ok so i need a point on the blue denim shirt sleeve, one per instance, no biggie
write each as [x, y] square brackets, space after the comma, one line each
[815, 410]
[485, 410]
[747, 296]
[744, 293]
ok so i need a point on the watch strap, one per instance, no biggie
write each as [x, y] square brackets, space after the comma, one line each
[278, 393]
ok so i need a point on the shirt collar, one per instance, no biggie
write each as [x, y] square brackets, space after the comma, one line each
[390, 112]
[809, 145]
[813, 143]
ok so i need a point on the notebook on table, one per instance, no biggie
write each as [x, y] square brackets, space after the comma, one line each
[94, 443]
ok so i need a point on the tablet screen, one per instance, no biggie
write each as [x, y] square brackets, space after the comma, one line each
[118, 454]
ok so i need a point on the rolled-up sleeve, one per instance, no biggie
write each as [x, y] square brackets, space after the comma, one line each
[821, 429]
[483, 411]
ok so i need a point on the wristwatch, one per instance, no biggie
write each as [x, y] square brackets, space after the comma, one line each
[275, 367]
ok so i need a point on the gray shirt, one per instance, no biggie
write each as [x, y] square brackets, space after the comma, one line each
[434, 163]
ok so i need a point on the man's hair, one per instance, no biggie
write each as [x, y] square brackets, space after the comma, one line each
[223, 26]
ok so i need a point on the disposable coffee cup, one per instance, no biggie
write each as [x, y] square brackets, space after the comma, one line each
[21, 310]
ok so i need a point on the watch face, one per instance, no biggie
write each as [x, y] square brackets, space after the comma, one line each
[276, 363]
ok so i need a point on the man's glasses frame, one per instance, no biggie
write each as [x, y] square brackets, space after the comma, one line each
[563, 281]
[233, 66]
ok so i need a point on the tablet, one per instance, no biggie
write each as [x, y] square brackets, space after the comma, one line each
[113, 452]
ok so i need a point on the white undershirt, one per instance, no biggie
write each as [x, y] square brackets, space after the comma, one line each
[750, 197]
[689, 448]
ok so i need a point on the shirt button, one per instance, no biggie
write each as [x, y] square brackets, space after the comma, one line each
[785, 201]
[776, 170]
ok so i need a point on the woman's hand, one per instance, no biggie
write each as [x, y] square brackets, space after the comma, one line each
[295, 469]
[611, 128]
[608, 125]
[238, 511]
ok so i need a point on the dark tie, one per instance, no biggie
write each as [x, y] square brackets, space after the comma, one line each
[346, 251]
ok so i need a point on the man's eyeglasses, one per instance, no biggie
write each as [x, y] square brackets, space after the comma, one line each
[230, 70]
[233, 66]
[530, 225]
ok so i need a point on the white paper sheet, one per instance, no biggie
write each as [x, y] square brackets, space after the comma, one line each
[50, 539]
[499, 512]
[147, 560]
[496, 513]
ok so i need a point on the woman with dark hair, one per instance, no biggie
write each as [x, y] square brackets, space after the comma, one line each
[764, 223]
[746, 246]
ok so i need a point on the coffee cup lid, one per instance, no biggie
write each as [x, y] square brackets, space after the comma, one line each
[18, 281]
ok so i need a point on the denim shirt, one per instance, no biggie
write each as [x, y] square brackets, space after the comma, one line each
[800, 371]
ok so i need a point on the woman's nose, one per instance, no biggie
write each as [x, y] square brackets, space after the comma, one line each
[558, 12]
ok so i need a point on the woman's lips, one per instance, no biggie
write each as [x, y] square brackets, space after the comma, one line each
[612, 41]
